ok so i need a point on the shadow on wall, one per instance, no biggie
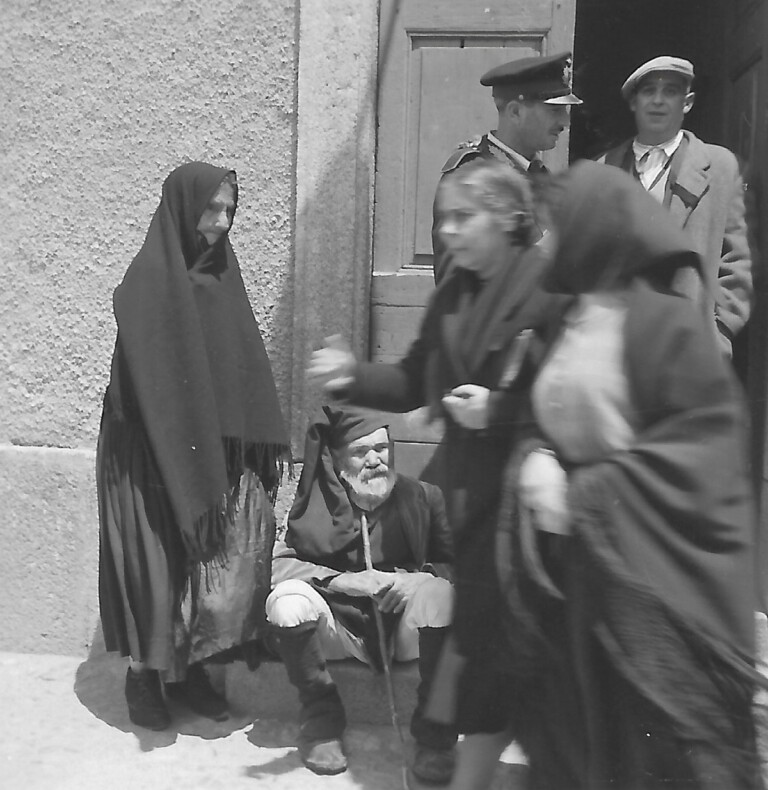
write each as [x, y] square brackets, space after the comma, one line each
[334, 229]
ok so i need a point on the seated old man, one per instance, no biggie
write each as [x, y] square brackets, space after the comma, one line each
[358, 536]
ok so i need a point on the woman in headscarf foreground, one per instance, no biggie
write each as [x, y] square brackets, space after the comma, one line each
[466, 367]
[189, 458]
[626, 543]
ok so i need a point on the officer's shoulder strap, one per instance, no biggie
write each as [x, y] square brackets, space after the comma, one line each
[465, 152]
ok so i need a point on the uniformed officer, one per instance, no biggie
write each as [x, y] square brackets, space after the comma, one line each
[532, 97]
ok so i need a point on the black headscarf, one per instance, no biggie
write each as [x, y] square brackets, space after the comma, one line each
[321, 520]
[196, 363]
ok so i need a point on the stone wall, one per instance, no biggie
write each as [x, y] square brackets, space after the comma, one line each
[100, 101]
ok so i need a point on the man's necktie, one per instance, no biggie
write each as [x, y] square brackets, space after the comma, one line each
[537, 167]
[650, 166]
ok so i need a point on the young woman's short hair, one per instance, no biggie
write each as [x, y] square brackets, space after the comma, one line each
[502, 191]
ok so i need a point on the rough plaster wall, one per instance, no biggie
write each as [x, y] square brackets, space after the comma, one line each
[48, 583]
[100, 100]
[49, 541]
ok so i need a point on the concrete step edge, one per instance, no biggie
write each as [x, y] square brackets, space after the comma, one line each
[267, 692]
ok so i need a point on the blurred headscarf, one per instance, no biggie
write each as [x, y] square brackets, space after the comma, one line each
[609, 230]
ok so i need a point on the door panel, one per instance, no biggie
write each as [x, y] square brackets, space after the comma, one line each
[449, 108]
[432, 55]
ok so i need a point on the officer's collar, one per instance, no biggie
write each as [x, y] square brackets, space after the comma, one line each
[519, 158]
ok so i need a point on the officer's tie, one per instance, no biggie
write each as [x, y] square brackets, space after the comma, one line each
[537, 167]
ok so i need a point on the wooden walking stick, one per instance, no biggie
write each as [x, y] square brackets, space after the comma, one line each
[384, 654]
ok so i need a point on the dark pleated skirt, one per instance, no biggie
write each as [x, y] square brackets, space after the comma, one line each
[154, 607]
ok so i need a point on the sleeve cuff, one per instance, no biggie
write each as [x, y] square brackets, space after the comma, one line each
[723, 329]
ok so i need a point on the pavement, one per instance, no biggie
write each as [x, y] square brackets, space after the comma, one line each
[65, 726]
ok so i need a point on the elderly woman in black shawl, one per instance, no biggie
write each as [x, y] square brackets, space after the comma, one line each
[626, 544]
[484, 317]
[189, 456]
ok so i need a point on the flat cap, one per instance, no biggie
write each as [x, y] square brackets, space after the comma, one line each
[663, 63]
[546, 79]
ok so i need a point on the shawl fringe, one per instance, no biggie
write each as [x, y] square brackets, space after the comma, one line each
[205, 542]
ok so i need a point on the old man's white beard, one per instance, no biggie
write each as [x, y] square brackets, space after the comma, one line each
[369, 488]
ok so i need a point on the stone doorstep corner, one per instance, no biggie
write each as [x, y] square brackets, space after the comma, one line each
[267, 693]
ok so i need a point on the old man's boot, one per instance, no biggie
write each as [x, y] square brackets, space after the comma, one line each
[322, 719]
[435, 756]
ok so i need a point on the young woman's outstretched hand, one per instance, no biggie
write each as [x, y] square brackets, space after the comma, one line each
[332, 367]
[468, 405]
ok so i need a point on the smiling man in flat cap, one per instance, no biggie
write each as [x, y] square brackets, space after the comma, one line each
[532, 98]
[699, 183]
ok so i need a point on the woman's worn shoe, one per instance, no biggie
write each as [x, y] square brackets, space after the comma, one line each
[198, 694]
[323, 757]
[144, 695]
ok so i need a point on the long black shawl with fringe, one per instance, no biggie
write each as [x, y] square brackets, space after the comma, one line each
[190, 346]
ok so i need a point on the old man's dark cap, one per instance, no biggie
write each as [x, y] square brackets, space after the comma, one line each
[321, 521]
[346, 424]
[546, 79]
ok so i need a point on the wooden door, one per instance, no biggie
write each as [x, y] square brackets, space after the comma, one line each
[746, 132]
[432, 54]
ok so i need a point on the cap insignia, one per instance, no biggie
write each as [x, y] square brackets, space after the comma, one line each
[568, 73]
[473, 142]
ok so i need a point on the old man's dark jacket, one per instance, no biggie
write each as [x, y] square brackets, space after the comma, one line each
[414, 536]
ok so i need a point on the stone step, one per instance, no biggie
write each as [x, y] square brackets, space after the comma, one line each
[267, 693]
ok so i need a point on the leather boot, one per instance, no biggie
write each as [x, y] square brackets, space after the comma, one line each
[322, 718]
[435, 757]
[198, 694]
[144, 697]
